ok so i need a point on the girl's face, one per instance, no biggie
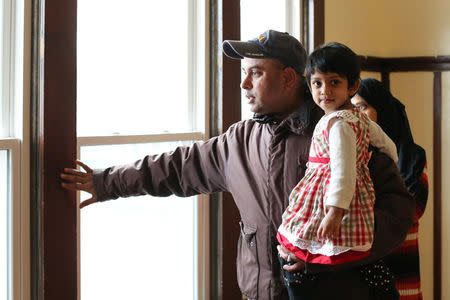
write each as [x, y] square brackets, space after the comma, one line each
[331, 92]
[365, 107]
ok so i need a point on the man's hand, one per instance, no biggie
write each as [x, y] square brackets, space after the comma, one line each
[331, 223]
[287, 255]
[77, 180]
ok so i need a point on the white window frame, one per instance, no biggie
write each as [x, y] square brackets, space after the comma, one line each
[197, 95]
[14, 241]
[14, 138]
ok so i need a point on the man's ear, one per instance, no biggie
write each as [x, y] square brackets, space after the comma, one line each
[354, 89]
[290, 77]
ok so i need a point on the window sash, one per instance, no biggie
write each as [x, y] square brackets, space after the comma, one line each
[196, 69]
[201, 214]
[6, 57]
[198, 111]
[16, 255]
[14, 139]
[199, 120]
[136, 139]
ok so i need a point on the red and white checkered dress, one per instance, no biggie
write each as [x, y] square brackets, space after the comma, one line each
[306, 210]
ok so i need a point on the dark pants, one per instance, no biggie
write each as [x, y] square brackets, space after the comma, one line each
[347, 284]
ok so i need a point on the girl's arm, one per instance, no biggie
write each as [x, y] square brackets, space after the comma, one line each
[380, 140]
[342, 140]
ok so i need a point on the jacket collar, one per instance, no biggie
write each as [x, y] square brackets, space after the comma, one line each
[301, 121]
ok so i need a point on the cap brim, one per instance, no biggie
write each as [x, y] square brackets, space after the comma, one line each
[240, 49]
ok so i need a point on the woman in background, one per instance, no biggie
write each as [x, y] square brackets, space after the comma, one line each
[379, 105]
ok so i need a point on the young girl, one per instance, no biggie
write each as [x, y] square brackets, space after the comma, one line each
[330, 217]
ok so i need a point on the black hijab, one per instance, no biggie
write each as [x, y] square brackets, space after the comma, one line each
[392, 119]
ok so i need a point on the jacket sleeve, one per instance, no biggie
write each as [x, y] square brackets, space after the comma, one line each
[394, 212]
[184, 172]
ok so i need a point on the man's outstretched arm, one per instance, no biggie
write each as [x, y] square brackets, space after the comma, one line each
[186, 171]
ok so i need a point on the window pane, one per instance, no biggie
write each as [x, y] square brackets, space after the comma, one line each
[133, 67]
[140, 247]
[259, 15]
[3, 112]
[4, 227]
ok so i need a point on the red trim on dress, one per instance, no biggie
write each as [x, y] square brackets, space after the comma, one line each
[321, 160]
[304, 255]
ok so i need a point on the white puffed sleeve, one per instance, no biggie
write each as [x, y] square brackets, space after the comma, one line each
[381, 140]
[342, 184]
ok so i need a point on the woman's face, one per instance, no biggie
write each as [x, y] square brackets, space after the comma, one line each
[365, 107]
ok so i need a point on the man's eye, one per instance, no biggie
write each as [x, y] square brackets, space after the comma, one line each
[362, 106]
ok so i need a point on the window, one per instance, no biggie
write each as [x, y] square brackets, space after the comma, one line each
[8, 210]
[4, 234]
[14, 244]
[258, 16]
[141, 90]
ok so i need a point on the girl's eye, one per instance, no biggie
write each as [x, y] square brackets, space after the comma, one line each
[362, 106]
[316, 83]
[335, 82]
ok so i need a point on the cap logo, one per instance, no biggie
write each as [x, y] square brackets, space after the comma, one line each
[250, 54]
[261, 38]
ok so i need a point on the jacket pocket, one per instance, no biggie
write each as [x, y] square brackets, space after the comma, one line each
[247, 261]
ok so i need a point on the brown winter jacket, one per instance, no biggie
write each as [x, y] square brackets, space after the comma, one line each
[259, 163]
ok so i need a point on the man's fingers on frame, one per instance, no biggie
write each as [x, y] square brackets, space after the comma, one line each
[75, 178]
[85, 167]
[87, 202]
[76, 172]
[87, 187]
[70, 186]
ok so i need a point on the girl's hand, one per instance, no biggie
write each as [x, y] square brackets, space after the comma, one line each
[330, 225]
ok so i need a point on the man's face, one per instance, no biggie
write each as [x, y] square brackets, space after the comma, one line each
[263, 85]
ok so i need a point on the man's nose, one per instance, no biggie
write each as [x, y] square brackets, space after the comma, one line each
[246, 83]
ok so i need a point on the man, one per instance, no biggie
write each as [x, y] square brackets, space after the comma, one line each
[259, 161]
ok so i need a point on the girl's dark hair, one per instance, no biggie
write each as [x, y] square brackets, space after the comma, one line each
[335, 58]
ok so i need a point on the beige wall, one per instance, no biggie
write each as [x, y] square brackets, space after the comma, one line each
[392, 28]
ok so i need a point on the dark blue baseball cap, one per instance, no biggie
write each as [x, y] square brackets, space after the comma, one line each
[270, 44]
